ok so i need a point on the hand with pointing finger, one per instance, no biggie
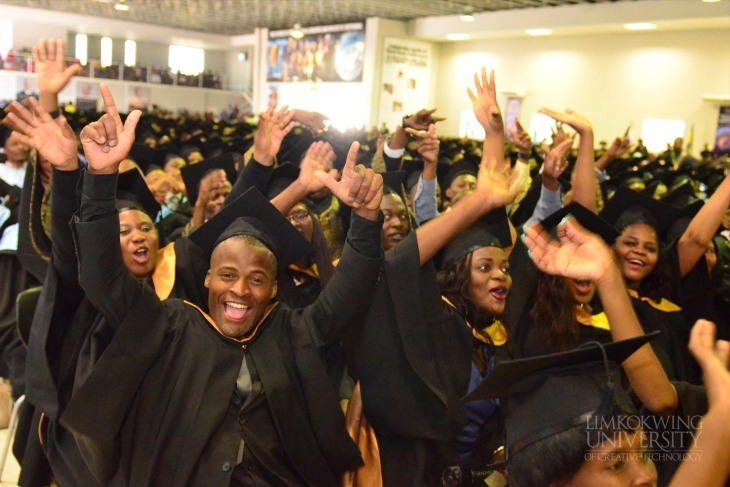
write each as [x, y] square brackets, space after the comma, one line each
[108, 141]
[485, 104]
[555, 164]
[273, 127]
[319, 157]
[359, 188]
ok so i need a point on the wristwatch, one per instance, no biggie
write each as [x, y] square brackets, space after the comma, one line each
[403, 120]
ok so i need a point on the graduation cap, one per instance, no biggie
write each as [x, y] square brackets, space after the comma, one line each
[589, 220]
[133, 193]
[655, 213]
[413, 170]
[193, 174]
[681, 195]
[491, 230]
[655, 189]
[147, 158]
[215, 146]
[393, 181]
[548, 394]
[281, 178]
[465, 166]
[252, 214]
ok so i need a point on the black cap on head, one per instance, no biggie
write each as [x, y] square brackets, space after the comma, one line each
[413, 169]
[681, 195]
[589, 220]
[147, 158]
[252, 214]
[455, 170]
[281, 178]
[193, 174]
[549, 394]
[133, 193]
[642, 209]
[491, 230]
[393, 182]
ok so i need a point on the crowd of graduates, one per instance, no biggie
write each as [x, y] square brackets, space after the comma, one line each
[278, 303]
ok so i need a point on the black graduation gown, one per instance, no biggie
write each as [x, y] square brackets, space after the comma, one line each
[413, 357]
[68, 333]
[155, 404]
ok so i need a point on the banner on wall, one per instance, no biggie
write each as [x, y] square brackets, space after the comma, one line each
[332, 53]
[405, 79]
[722, 137]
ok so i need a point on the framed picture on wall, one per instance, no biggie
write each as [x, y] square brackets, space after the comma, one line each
[27, 86]
[86, 94]
[138, 98]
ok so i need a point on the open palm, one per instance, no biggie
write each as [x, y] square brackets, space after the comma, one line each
[54, 141]
[273, 127]
[50, 63]
[494, 184]
[485, 104]
[320, 157]
[578, 254]
[108, 141]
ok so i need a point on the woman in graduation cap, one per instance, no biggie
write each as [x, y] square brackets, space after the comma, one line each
[560, 447]
[416, 355]
[666, 278]
[253, 369]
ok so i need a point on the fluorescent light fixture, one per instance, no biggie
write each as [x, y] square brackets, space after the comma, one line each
[82, 44]
[458, 37]
[121, 7]
[538, 32]
[130, 53]
[640, 26]
[467, 18]
[710, 1]
[106, 52]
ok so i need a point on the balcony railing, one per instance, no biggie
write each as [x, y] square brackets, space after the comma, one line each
[118, 71]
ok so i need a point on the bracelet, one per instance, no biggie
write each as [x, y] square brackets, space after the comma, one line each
[523, 156]
[56, 113]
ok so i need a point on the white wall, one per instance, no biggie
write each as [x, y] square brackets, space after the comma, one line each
[613, 79]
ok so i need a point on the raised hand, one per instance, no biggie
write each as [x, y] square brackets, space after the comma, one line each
[273, 127]
[578, 254]
[428, 143]
[314, 121]
[422, 119]
[555, 164]
[108, 141]
[50, 65]
[360, 188]
[714, 358]
[54, 140]
[579, 123]
[485, 104]
[495, 184]
[319, 157]
[521, 138]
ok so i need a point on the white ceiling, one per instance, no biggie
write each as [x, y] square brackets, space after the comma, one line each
[235, 17]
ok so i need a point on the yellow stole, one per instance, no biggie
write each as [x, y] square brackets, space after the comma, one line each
[496, 331]
[599, 320]
[663, 305]
[163, 277]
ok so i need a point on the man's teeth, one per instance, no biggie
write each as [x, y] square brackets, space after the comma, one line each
[237, 305]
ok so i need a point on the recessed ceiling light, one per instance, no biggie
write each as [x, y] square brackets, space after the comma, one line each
[458, 37]
[296, 32]
[122, 7]
[640, 26]
[710, 1]
[538, 32]
[467, 16]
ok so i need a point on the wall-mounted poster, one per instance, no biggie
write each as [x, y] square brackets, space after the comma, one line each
[86, 95]
[405, 79]
[138, 98]
[327, 53]
[722, 138]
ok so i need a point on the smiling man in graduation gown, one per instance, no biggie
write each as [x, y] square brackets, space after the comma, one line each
[240, 397]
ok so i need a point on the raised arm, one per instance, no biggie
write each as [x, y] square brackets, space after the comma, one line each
[319, 157]
[348, 293]
[694, 241]
[273, 127]
[49, 57]
[580, 254]
[550, 200]
[56, 143]
[493, 183]
[708, 462]
[425, 205]
[108, 284]
[583, 178]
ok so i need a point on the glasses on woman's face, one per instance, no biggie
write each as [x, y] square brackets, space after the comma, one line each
[298, 216]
